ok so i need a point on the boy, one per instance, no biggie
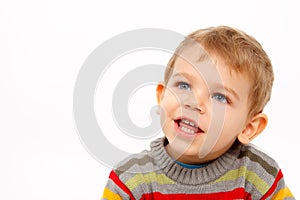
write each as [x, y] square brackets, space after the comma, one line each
[210, 104]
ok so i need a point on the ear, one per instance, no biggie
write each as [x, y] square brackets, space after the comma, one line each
[254, 127]
[160, 89]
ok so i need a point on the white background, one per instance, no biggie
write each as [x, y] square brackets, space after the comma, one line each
[42, 47]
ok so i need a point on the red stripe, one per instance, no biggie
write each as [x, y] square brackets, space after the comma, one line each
[113, 176]
[274, 186]
[238, 193]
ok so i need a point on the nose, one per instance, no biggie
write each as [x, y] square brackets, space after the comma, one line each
[195, 102]
[195, 107]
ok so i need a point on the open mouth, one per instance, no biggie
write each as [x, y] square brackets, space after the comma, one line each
[188, 126]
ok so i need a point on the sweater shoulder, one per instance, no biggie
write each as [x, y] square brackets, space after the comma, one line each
[261, 171]
[252, 155]
[139, 163]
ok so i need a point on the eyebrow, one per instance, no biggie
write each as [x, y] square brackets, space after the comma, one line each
[217, 86]
[185, 75]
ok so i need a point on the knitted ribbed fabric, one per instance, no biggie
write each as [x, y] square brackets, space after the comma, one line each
[243, 172]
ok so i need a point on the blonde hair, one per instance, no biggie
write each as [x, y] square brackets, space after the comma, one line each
[241, 53]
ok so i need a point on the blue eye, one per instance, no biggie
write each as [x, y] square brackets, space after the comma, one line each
[183, 86]
[220, 97]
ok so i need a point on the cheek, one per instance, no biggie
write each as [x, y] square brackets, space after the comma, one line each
[169, 103]
[234, 122]
[168, 108]
[232, 126]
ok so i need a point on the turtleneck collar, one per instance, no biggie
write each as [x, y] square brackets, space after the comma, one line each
[184, 175]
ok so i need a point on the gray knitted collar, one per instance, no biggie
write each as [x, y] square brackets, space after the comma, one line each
[206, 174]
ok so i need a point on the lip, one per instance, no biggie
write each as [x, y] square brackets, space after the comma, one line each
[183, 133]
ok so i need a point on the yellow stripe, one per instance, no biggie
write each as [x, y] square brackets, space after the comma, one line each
[250, 176]
[108, 194]
[138, 179]
[283, 193]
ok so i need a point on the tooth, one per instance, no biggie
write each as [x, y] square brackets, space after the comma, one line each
[189, 122]
[190, 131]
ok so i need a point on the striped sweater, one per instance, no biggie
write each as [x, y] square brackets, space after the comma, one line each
[243, 172]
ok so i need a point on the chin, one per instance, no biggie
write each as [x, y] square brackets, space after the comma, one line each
[191, 152]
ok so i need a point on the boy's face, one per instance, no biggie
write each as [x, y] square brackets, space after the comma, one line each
[202, 113]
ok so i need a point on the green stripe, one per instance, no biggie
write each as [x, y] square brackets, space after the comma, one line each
[250, 176]
[134, 161]
[148, 178]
